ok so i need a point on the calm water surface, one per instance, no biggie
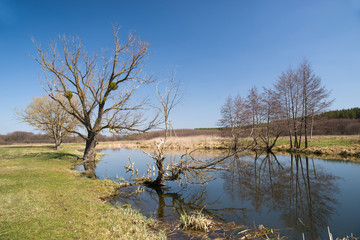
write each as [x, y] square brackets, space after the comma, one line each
[297, 194]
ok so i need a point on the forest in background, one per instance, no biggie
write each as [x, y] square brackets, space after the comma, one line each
[337, 122]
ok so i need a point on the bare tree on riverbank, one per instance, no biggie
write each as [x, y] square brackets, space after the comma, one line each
[302, 96]
[315, 97]
[98, 90]
[253, 103]
[49, 116]
[297, 96]
[234, 115]
[269, 129]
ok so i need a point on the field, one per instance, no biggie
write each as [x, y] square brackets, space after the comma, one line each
[42, 198]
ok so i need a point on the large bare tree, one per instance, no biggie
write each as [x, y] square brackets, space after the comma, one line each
[50, 117]
[99, 89]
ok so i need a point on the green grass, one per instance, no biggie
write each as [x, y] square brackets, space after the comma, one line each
[325, 141]
[42, 198]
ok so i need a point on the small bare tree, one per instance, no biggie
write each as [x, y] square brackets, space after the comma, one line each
[167, 101]
[269, 128]
[234, 115]
[49, 116]
[99, 91]
[253, 104]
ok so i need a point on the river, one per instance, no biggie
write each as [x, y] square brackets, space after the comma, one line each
[296, 194]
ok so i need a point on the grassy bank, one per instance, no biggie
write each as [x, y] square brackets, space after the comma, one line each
[42, 198]
[338, 147]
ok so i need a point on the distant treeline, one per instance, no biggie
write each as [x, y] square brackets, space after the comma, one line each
[28, 137]
[352, 113]
[339, 122]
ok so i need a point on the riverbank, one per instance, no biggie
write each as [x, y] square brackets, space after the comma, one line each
[328, 147]
[42, 198]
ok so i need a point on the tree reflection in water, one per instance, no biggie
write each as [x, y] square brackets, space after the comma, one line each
[302, 194]
[291, 188]
[171, 204]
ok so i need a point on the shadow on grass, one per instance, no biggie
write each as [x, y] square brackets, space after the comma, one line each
[51, 155]
[31, 147]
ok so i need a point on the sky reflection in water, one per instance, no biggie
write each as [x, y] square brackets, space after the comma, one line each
[300, 193]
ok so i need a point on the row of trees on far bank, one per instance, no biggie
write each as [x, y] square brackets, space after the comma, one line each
[296, 97]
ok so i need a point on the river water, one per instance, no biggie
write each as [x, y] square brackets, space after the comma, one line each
[294, 193]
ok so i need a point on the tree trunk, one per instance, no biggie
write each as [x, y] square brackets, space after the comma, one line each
[57, 146]
[57, 138]
[235, 142]
[57, 143]
[306, 131]
[89, 153]
[160, 178]
[312, 124]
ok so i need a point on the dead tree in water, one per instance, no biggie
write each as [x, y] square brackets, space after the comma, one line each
[187, 166]
[168, 100]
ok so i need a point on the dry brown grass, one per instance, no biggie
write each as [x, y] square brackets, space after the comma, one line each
[180, 143]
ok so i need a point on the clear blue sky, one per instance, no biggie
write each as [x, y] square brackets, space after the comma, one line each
[218, 47]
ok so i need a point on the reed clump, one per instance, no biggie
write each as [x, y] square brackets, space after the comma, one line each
[195, 221]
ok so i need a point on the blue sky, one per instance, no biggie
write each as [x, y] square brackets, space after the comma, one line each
[218, 48]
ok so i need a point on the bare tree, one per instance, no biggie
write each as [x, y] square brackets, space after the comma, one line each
[269, 128]
[234, 116]
[188, 166]
[167, 101]
[102, 86]
[315, 97]
[253, 103]
[284, 90]
[49, 116]
[302, 96]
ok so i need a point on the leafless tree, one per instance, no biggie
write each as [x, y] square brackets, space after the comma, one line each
[99, 90]
[315, 97]
[269, 129]
[289, 94]
[234, 115]
[302, 96]
[50, 117]
[253, 103]
[188, 166]
[167, 101]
